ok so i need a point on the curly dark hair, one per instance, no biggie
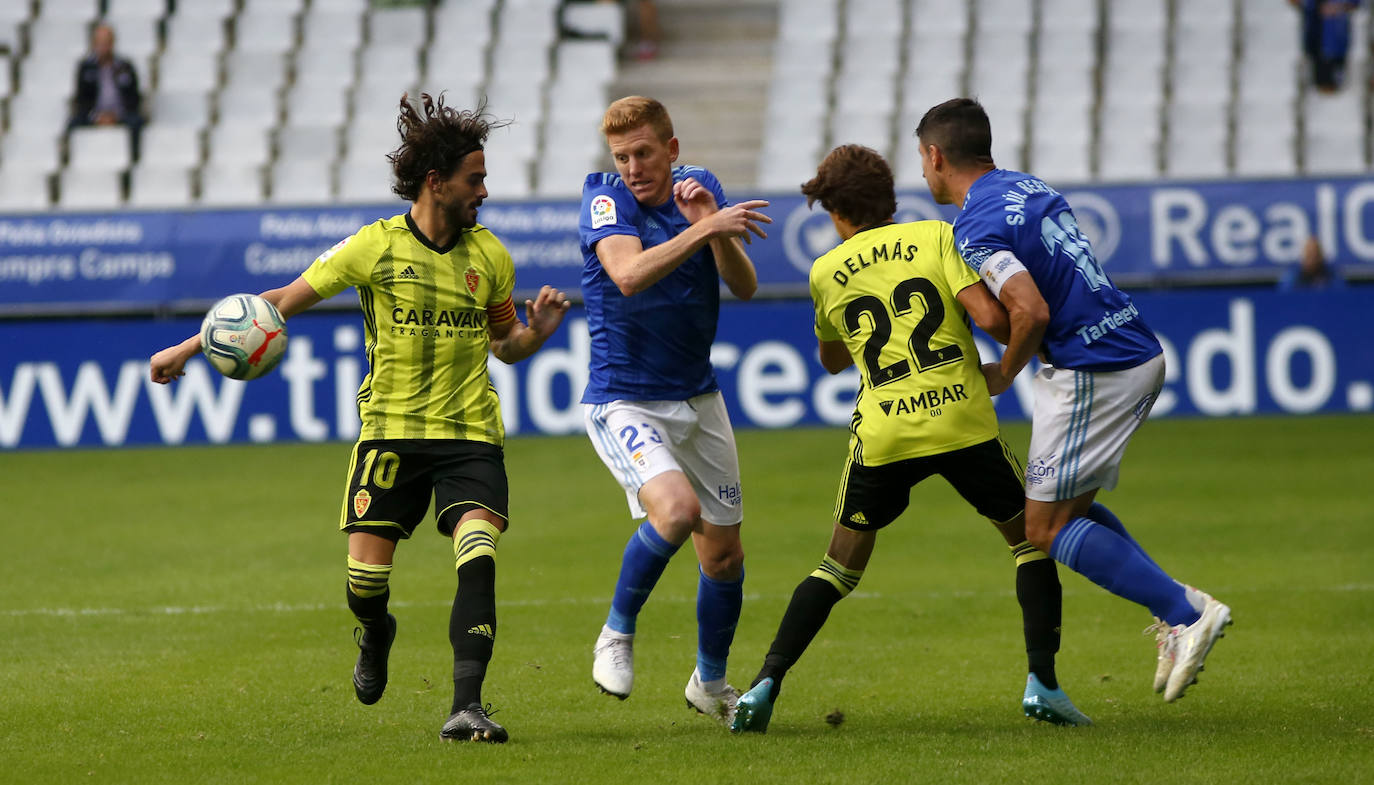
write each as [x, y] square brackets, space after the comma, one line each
[855, 183]
[434, 138]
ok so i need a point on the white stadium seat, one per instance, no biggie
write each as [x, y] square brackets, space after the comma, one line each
[99, 149]
[154, 185]
[230, 186]
[80, 189]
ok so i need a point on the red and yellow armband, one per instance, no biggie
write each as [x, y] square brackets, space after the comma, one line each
[502, 312]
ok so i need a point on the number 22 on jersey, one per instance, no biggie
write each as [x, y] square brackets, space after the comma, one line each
[899, 312]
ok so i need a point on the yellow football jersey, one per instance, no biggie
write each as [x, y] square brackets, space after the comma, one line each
[425, 313]
[889, 294]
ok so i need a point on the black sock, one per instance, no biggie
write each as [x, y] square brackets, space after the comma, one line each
[806, 614]
[1041, 598]
[472, 629]
[370, 611]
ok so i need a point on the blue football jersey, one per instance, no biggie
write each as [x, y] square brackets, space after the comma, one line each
[1093, 325]
[655, 345]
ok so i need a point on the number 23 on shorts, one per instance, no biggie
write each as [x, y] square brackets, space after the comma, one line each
[631, 436]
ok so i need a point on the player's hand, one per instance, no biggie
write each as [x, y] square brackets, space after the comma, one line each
[170, 363]
[738, 220]
[998, 382]
[545, 312]
[694, 200]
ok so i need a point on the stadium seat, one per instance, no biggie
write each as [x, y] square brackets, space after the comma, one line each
[99, 149]
[81, 189]
[472, 22]
[146, 9]
[339, 6]
[388, 69]
[561, 174]
[23, 189]
[254, 71]
[70, 10]
[1075, 15]
[230, 186]
[265, 31]
[28, 148]
[585, 62]
[40, 73]
[943, 17]
[1012, 16]
[248, 106]
[171, 145]
[136, 37]
[323, 69]
[6, 77]
[329, 31]
[455, 67]
[1147, 17]
[316, 105]
[870, 129]
[365, 181]
[598, 20]
[518, 141]
[238, 145]
[398, 27]
[307, 143]
[290, 7]
[188, 108]
[508, 178]
[196, 29]
[302, 182]
[157, 185]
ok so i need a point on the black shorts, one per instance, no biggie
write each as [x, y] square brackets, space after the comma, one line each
[987, 475]
[389, 484]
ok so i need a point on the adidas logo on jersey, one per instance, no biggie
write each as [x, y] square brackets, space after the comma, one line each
[484, 630]
[408, 274]
[858, 518]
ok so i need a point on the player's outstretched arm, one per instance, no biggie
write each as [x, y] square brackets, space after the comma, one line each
[696, 202]
[1028, 315]
[170, 363]
[513, 341]
[635, 268]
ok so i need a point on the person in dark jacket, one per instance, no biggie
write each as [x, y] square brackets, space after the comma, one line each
[107, 88]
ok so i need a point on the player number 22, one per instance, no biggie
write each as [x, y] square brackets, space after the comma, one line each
[922, 353]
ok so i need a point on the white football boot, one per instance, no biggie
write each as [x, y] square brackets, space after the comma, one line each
[1191, 645]
[1164, 649]
[613, 663]
[719, 705]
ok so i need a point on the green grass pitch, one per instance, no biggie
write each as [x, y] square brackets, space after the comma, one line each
[176, 616]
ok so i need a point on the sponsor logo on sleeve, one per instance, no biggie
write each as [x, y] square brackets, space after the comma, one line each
[603, 211]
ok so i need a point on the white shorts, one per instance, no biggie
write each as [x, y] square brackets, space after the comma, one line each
[639, 440]
[1081, 425]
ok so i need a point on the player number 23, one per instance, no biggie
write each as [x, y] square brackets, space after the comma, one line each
[922, 353]
[633, 442]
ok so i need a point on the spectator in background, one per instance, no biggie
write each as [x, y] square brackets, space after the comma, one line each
[1312, 272]
[1326, 39]
[648, 35]
[107, 88]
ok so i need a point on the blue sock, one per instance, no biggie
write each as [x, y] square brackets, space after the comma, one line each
[1099, 513]
[1100, 555]
[646, 554]
[718, 606]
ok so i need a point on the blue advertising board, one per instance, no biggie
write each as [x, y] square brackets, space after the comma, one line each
[66, 382]
[1162, 233]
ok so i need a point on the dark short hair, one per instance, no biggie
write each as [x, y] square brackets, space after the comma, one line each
[960, 128]
[855, 183]
[434, 137]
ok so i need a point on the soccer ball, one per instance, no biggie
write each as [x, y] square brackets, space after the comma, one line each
[243, 336]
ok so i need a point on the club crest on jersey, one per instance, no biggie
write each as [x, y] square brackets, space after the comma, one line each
[472, 279]
[603, 211]
[361, 501]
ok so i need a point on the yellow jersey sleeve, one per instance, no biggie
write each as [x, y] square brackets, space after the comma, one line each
[502, 268]
[349, 263]
[957, 276]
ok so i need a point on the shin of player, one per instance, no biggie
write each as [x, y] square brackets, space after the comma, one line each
[657, 242]
[1104, 369]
